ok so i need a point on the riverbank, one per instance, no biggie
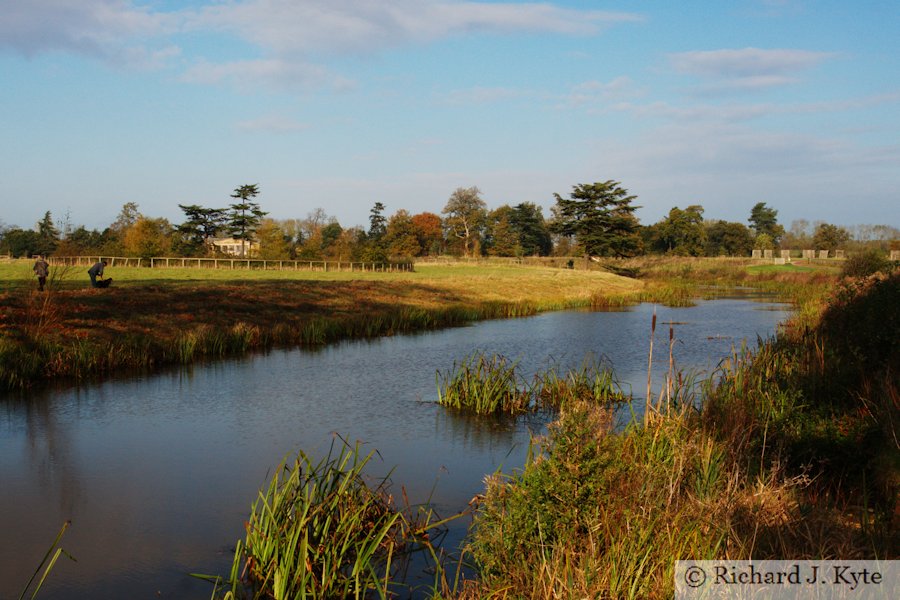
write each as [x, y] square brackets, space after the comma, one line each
[151, 318]
[790, 452]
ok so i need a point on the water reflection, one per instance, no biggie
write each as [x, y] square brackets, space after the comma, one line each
[158, 473]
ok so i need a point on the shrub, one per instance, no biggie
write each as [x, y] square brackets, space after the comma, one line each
[865, 264]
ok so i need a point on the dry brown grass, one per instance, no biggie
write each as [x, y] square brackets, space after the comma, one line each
[143, 319]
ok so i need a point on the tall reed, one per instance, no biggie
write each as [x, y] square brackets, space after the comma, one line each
[490, 385]
[320, 530]
[593, 382]
[47, 563]
[484, 385]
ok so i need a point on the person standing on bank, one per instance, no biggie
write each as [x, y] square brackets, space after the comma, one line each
[96, 271]
[41, 268]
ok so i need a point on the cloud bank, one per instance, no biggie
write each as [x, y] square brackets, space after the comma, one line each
[289, 39]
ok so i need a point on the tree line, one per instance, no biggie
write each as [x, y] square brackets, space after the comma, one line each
[595, 219]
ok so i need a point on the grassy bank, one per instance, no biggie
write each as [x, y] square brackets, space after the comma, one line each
[151, 318]
[791, 452]
[166, 316]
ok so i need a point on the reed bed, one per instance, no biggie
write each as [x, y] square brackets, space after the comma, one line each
[322, 530]
[486, 384]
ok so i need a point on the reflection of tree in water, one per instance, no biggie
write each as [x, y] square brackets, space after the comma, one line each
[50, 454]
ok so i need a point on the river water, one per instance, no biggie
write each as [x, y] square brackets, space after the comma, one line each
[157, 473]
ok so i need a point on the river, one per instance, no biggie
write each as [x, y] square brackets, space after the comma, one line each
[157, 473]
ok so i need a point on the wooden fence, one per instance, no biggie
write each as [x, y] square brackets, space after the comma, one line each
[231, 263]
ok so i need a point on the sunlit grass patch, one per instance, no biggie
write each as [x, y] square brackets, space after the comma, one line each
[154, 317]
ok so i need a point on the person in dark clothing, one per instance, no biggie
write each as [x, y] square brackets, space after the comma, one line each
[41, 268]
[95, 272]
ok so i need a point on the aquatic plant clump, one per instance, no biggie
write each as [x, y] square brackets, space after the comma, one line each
[321, 531]
[484, 385]
[489, 385]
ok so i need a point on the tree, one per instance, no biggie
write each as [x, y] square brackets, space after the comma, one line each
[20, 242]
[343, 246]
[830, 237]
[377, 222]
[429, 232]
[47, 236]
[527, 220]
[310, 234]
[798, 236]
[466, 213]
[48, 233]
[725, 238]
[372, 243]
[764, 241]
[244, 216]
[274, 244]
[400, 236]
[148, 237]
[501, 238]
[682, 232]
[330, 235]
[764, 220]
[601, 217]
[200, 225]
[80, 241]
[126, 218]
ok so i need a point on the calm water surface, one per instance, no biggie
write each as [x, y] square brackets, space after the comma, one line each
[157, 473]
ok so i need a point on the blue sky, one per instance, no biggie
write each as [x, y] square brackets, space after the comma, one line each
[338, 104]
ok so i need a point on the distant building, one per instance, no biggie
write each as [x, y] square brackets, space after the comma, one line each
[239, 248]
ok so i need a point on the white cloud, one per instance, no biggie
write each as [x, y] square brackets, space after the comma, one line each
[272, 124]
[748, 62]
[599, 95]
[481, 95]
[291, 34]
[747, 68]
[727, 168]
[249, 75]
[108, 29]
[288, 35]
[315, 26]
[738, 112]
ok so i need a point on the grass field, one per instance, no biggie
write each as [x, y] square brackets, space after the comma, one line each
[159, 316]
[152, 317]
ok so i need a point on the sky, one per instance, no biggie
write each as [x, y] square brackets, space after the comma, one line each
[338, 104]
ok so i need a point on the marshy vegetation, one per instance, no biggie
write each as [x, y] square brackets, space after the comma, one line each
[789, 451]
[323, 530]
[490, 385]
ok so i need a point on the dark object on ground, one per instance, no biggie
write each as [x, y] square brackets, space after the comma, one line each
[104, 283]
